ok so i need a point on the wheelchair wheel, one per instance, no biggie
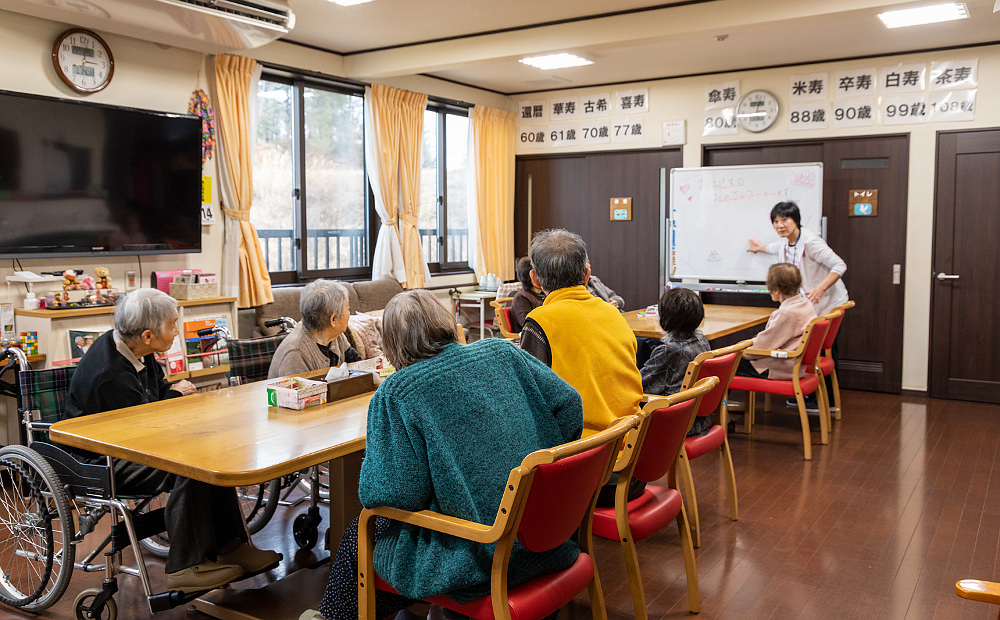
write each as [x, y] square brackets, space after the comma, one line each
[157, 545]
[85, 599]
[258, 503]
[36, 531]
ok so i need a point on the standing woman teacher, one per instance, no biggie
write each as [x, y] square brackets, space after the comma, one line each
[820, 266]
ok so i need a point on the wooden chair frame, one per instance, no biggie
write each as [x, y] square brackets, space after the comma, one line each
[978, 590]
[828, 352]
[503, 530]
[799, 355]
[691, 377]
[501, 318]
[625, 465]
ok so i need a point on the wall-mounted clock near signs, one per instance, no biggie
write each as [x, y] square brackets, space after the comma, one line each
[83, 60]
[757, 110]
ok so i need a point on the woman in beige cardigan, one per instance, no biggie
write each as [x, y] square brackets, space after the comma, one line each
[318, 341]
[785, 327]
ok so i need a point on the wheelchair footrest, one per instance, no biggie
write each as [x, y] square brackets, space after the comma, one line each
[169, 600]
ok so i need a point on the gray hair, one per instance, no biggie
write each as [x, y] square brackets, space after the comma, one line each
[415, 326]
[320, 300]
[142, 309]
[559, 258]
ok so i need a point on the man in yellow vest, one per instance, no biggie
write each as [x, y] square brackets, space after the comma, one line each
[584, 339]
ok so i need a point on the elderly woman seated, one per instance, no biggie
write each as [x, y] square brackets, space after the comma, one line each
[444, 431]
[318, 341]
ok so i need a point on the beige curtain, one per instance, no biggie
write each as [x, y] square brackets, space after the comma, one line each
[493, 162]
[233, 81]
[382, 135]
[411, 109]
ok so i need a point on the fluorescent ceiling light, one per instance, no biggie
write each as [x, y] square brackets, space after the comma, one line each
[924, 15]
[556, 61]
[350, 2]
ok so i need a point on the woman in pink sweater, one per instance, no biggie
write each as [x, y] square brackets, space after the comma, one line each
[785, 327]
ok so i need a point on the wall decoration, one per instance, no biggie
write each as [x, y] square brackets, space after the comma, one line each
[201, 106]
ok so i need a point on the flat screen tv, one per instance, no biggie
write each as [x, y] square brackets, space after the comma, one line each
[84, 179]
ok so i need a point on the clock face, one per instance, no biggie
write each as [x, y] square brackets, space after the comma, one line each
[757, 110]
[83, 60]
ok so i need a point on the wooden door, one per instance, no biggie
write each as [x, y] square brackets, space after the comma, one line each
[965, 318]
[574, 192]
[870, 344]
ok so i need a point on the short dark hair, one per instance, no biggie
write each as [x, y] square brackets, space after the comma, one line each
[789, 210]
[415, 326]
[681, 312]
[784, 278]
[559, 258]
[523, 273]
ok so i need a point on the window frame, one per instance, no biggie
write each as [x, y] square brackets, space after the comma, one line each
[441, 109]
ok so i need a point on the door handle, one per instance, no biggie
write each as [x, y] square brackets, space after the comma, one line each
[946, 276]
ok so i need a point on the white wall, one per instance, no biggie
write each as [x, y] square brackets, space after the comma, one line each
[684, 99]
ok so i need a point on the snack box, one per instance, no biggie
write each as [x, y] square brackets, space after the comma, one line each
[296, 393]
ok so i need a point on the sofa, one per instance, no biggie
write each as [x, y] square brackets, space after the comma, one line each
[361, 296]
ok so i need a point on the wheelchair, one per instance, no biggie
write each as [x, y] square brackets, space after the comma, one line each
[249, 362]
[42, 485]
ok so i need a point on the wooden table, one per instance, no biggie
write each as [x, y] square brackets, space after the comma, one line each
[231, 437]
[719, 321]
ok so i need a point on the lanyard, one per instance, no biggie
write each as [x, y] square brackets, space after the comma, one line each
[792, 249]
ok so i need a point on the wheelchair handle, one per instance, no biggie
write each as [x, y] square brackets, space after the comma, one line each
[16, 355]
[220, 331]
[285, 322]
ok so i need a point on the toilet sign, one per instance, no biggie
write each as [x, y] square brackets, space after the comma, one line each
[621, 209]
[863, 203]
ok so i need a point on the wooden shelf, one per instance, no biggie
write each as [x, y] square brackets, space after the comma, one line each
[75, 312]
[31, 359]
[203, 372]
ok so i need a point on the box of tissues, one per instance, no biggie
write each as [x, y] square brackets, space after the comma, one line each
[296, 393]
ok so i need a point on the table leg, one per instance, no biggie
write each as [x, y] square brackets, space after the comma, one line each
[482, 319]
[345, 475]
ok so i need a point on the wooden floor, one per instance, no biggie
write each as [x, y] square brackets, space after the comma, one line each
[880, 524]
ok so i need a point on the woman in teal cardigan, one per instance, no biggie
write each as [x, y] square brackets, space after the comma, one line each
[444, 431]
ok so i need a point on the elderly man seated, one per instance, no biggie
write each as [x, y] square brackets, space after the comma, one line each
[208, 542]
[318, 341]
[583, 338]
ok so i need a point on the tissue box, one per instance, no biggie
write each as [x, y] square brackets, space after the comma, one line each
[296, 393]
[358, 382]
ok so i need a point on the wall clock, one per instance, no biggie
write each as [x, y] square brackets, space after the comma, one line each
[757, 110]
[83, 60]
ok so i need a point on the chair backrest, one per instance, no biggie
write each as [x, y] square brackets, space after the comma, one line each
[564, 482]
[719, 363]
[831, 334]
[501, 309]
[814, 336]
[45, 391]
[250, 359]
[664, 422]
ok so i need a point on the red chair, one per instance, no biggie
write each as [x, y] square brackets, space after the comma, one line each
[501, 310]
[799, 385]
[547, 498]
[648, 456]
[719, 363]
[826, 363]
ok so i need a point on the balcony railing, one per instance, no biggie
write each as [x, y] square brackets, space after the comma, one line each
[345, 248]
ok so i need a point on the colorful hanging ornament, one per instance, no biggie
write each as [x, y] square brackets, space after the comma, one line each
[202, 107]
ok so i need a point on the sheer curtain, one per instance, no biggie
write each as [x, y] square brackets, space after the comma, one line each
[492, 214]
[243, 261]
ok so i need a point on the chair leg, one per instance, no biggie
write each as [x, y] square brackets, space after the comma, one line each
[692, 499]
[586, 541]
[804, 418]
[823, 404]
[749, 413]
[767, 402]
[836, 394]
[690, 566]
[632, 566]
[727, 460]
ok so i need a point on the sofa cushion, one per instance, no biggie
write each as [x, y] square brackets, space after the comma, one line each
[375, 295]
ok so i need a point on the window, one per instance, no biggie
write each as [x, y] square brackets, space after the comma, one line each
[444, 197]
[309, 174]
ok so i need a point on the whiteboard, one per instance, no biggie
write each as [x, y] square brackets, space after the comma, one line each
[715, 211]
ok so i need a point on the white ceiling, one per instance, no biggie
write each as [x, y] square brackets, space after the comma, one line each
[479, 42]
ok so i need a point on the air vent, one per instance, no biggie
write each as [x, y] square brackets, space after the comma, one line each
[254, 11]
[859, 366]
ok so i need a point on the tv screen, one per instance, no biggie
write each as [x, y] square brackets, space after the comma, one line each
[84, 179]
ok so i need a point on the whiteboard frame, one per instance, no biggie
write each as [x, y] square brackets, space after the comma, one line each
[668, 224]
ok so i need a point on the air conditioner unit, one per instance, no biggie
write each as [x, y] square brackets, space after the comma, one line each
[211, 26]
